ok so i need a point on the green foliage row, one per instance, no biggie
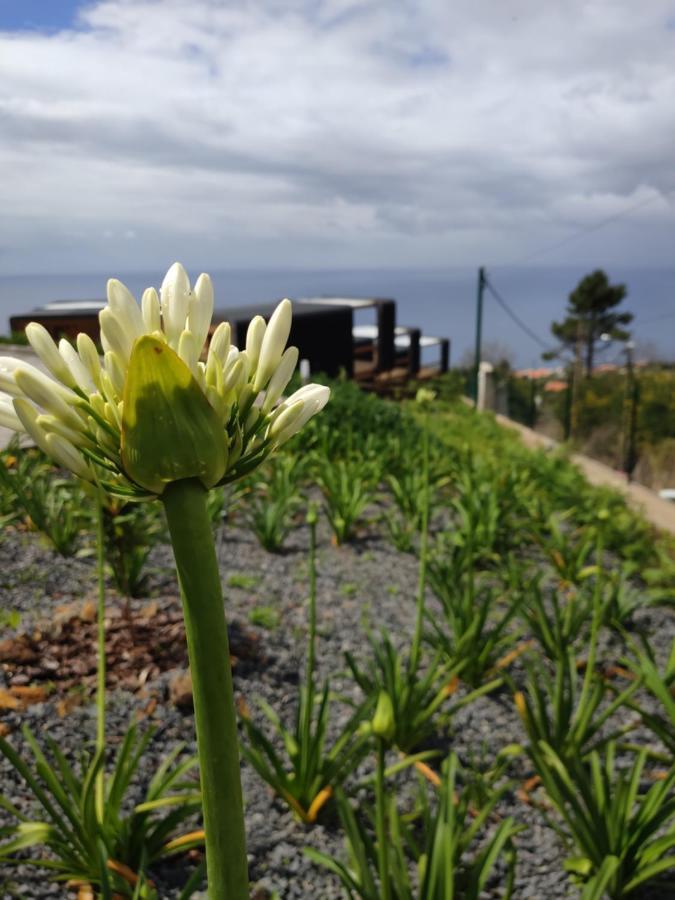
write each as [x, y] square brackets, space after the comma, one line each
[530, 582]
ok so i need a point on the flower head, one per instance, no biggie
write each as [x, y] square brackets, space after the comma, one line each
[152, 410]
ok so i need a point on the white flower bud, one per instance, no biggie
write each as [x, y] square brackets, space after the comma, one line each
[114, 336]
[312, 402]
[317, 392]
[8, 416]
[28, 415]
[43, 391]
[214, 371]
[51, 425]
[8, 366]
[152, 318]
[78, 370]
[220, 342]
[286, 418]
[175, 303]
[116, 370]
[41, 341]
[89, 356]
[201, 310]
[188, 351]
[123, 304]
[65, 454]
[254, 338]
[234, 377]
[273, 344]
[281, 377]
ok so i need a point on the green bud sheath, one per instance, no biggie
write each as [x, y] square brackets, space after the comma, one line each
[383, 723]
[170, 431]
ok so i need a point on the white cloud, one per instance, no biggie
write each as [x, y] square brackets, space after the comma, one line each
[316, 131]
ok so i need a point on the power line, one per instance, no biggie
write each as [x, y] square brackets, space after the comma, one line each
[516, 318]
[596, 226]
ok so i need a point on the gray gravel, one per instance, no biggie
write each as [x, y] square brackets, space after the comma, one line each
[366, 583]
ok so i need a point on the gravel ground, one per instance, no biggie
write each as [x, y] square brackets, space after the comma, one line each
[366, 583]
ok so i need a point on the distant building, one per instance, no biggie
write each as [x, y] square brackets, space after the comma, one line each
[538, 374]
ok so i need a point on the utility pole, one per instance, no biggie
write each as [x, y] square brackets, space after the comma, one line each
[575, 385]
[632, 389]
[479, 333]
[567, 413]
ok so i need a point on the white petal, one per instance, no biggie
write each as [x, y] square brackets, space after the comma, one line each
[287, 418]
[41, 341]
[89, 356]
[232, 354]
[44, 392]
[244, 359]
[152, 319]
[28, 415]
[201, 310]
[116, 372]
[51, 425]
[175, 303]
[234, 377]
[254, 338]
[311, 392]
[220, 341]
[273, 343]
[97, 403]
[112, 397]
[8, 366]
[189, 351]
[65, 454]
[312, 403]
[280, 378]
[112, 415]
[8, 416]
[213, 371]
[123, 304]
[114, 335]
[78, 370]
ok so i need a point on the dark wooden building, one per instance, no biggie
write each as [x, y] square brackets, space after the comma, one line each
[323, 330]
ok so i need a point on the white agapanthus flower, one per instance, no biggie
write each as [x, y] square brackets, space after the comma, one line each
[152, 411]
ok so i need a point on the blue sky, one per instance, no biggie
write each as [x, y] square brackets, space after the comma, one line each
[309, 133]
[48, 15]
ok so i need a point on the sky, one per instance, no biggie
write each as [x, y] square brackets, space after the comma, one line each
[311, 133]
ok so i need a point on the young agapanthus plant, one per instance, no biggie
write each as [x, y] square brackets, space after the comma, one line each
[152, 420]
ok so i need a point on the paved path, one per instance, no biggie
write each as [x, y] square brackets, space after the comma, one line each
[660, 513]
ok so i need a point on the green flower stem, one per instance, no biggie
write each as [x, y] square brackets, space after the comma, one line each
[414, 658]
[100, 661]
[311, 641]
[215, 719]
[380, 822]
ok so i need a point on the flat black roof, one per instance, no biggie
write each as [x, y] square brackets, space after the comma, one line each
[78, 308]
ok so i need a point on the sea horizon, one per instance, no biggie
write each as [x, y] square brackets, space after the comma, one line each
[439, 300]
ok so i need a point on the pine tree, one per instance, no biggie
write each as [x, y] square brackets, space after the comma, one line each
[591, 313]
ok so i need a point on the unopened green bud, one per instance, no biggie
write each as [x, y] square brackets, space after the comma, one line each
[170, 430]
[425, 396]
[312, 514]
[383, 723]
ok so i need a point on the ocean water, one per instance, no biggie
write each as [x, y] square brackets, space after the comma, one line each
[440, 301]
